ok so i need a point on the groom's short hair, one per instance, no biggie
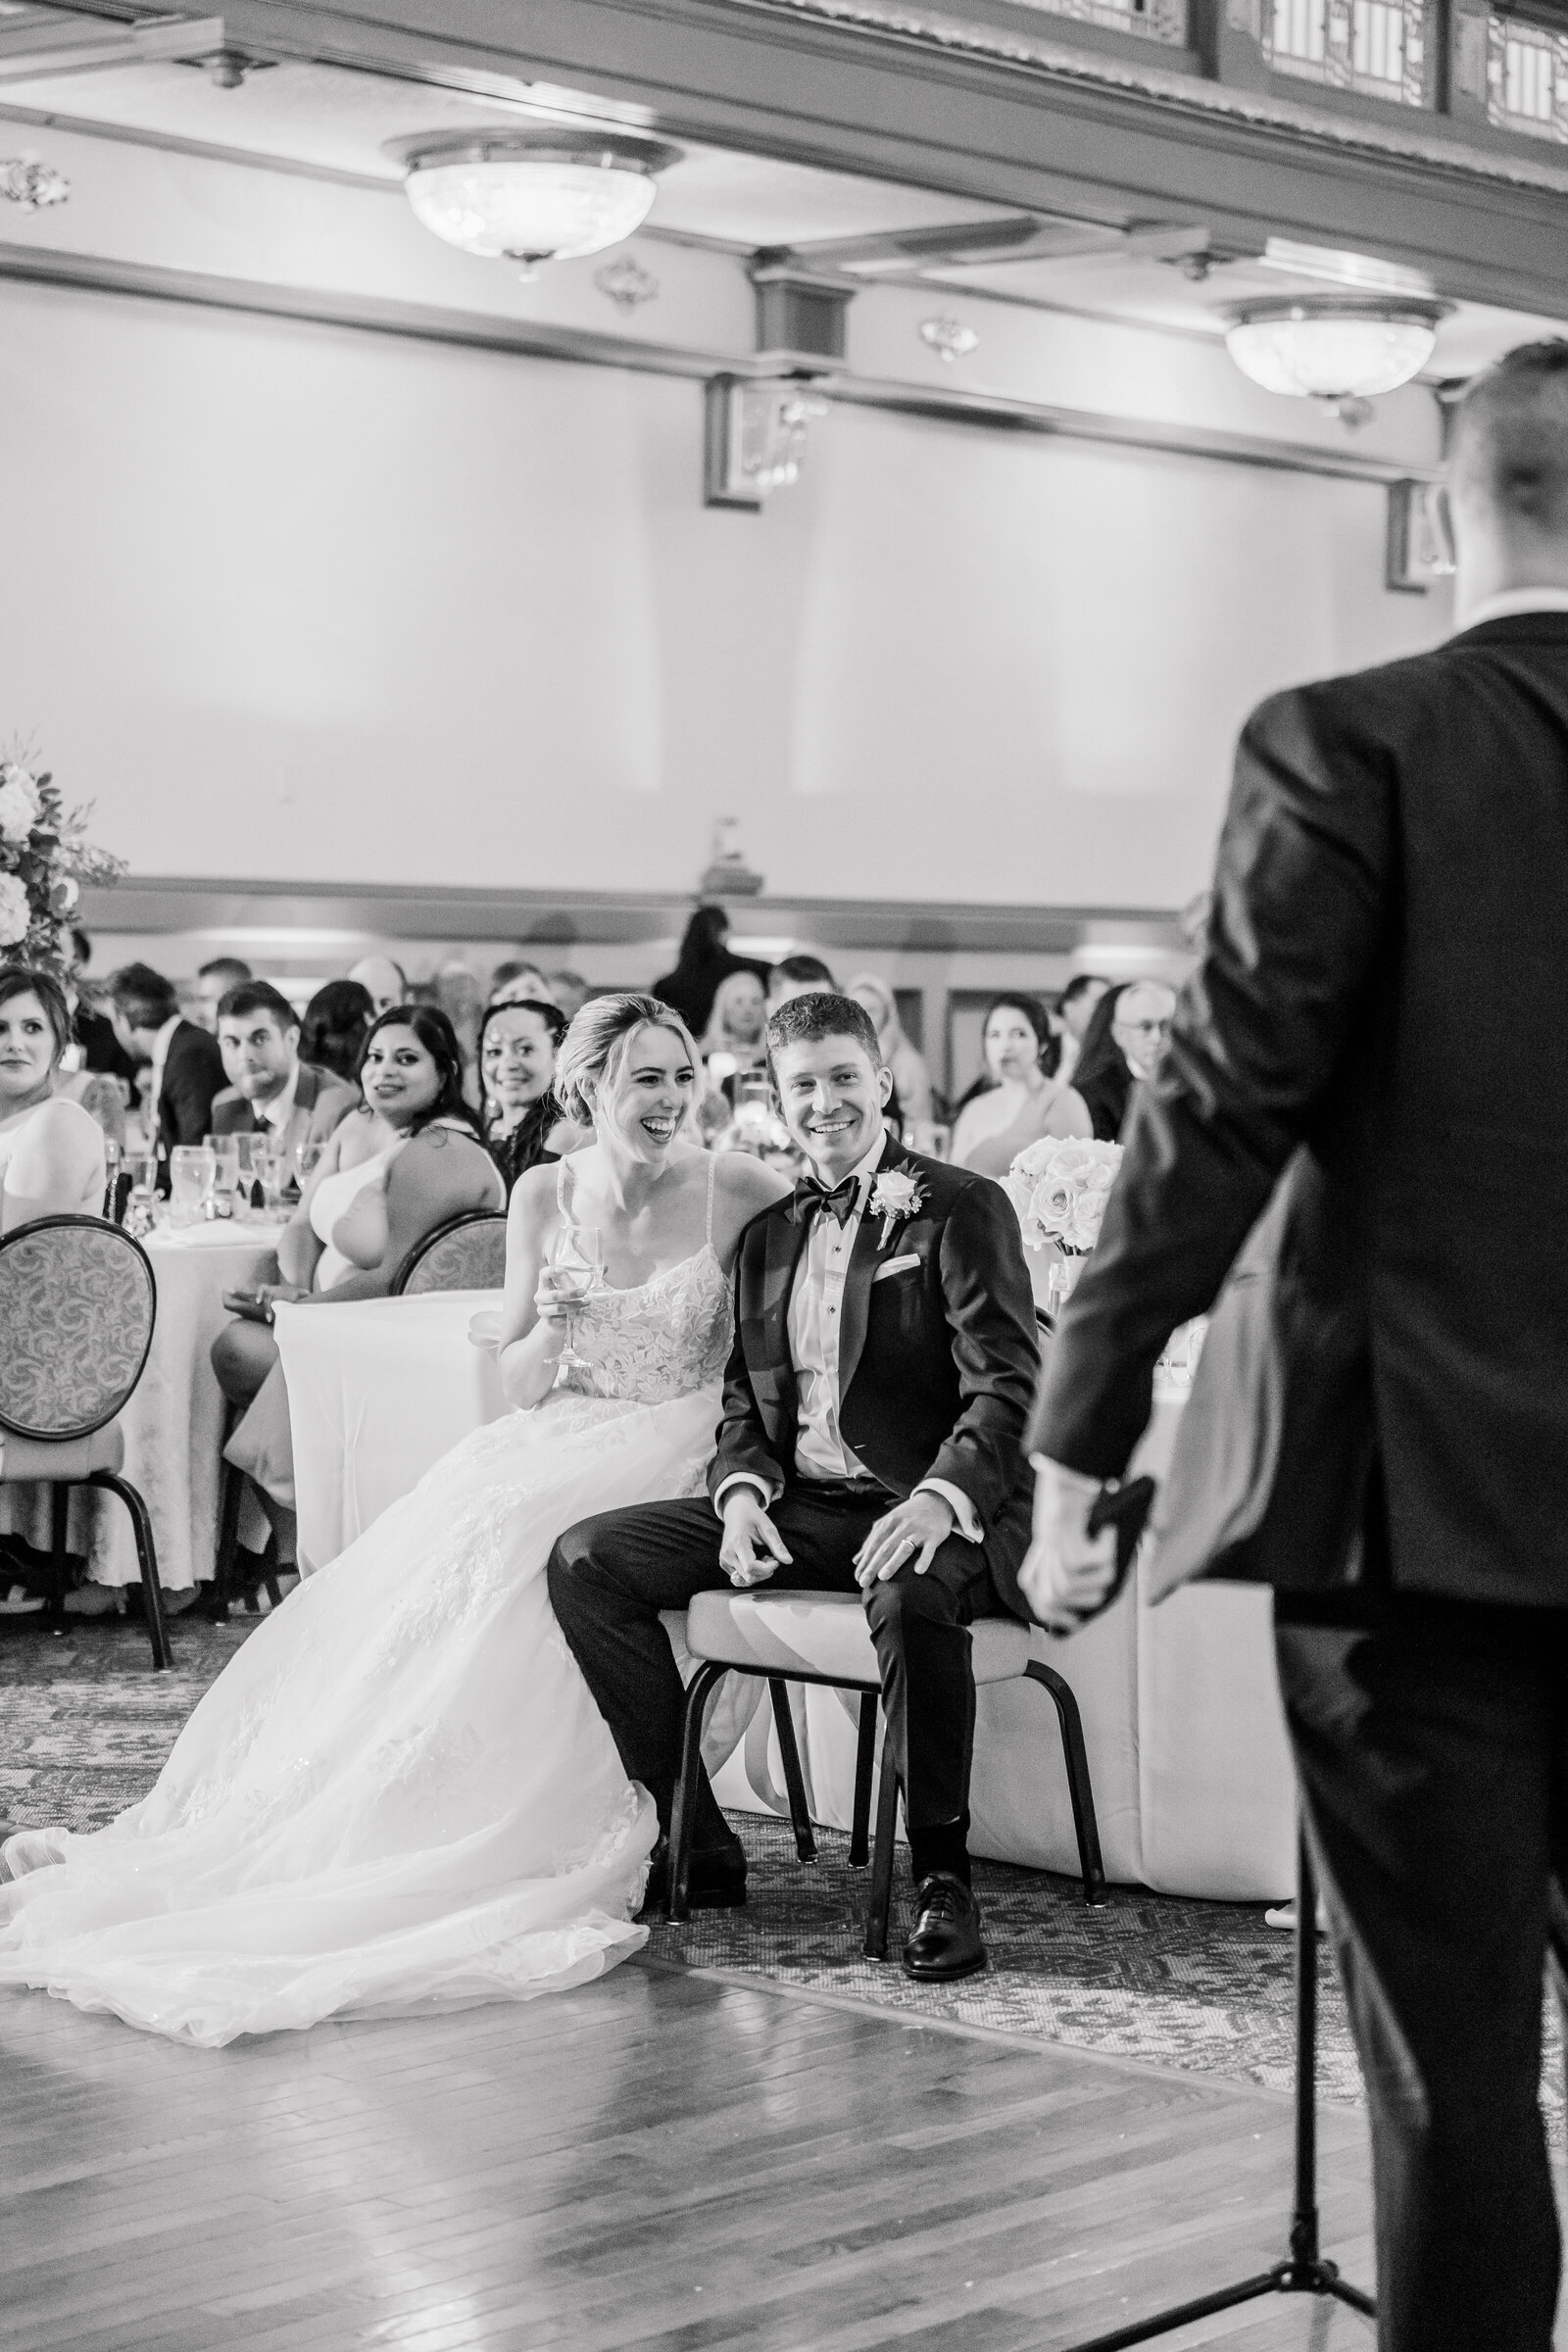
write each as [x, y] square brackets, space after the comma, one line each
[802, 1020]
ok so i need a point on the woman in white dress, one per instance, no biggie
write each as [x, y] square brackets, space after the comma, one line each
[1022, 1103]
[51, 1149]
[398, 1794]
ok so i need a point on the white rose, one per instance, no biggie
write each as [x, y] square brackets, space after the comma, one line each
[18, 805]
[894, 1195]
[15, 915]
[1051, 1206]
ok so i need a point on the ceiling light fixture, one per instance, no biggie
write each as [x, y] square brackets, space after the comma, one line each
[1333, 348]
[531, 196]
[1356, 273]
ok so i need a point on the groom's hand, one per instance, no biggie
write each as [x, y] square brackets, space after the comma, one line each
[909, 1536]
[752, 1547]
[1068, 1574]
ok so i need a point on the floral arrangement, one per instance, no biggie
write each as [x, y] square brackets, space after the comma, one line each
[1059, 1187]
[45, 858]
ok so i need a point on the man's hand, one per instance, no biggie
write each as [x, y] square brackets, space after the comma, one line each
[1067, 1575]
[910, 1532]
[752, 1547]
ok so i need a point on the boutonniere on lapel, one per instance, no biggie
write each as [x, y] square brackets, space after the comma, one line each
[895, 1196]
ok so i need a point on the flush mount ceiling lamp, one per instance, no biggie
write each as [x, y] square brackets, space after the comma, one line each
[1333, 347]
[532, 196]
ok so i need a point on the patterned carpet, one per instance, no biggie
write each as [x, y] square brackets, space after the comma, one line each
[1204, 1987]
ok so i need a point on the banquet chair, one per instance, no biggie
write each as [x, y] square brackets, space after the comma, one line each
[77, 1303]
[823, 1638]
[468, 1252]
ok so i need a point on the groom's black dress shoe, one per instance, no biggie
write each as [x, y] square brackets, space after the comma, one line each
[944, 1940]
[718, 1879]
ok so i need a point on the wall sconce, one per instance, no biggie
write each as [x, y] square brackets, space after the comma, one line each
[1420, 540]
[755, 437]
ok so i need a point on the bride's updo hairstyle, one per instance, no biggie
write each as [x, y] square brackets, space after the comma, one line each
[593, 1054]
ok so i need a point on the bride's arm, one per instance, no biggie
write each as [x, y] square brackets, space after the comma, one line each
[743, 1187]
[530, 1346]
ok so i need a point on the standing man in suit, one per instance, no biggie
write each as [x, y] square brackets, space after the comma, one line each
[270, 1086]
[1378, 1003]
[185, 1066]
[875, 1413]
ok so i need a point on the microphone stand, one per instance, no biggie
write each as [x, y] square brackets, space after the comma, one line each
[1304, 2269]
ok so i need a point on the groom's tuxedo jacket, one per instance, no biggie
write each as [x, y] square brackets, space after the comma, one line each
[938, 1359]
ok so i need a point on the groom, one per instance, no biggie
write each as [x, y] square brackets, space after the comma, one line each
[875, 1409]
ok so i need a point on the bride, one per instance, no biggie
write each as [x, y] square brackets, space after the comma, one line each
[399, 1796]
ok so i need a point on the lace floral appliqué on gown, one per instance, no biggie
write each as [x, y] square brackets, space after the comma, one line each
[399, 1796]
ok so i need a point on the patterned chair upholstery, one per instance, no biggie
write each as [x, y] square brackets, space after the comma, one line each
[77, 1304]
[466, 1253]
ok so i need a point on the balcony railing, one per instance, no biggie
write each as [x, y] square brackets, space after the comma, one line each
[1527, 78]
[1164, 21]
[1376, 47]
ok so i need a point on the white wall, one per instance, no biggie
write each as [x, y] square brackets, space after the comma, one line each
[302, 601]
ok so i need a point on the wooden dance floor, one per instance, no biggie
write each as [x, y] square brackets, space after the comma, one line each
[664, 2159]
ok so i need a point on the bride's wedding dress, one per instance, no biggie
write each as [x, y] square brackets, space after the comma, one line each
[398, 1794]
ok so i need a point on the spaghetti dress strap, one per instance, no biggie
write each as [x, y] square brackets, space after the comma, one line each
[561, 1190]
[712, 1170]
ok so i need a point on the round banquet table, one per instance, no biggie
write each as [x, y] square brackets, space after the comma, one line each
[378, 1391]
[174, 1424]
[1182, 1719]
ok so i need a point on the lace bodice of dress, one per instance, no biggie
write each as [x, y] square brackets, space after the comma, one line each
[663, 1337]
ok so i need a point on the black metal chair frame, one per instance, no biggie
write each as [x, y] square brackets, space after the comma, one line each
[710, 1673]
[107, 1481]
[427, 1241]
[227, 1584]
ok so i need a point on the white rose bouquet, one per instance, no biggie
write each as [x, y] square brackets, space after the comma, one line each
[1059, 1187]
[45, 858]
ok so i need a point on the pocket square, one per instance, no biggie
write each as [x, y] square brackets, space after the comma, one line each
[895, 1266]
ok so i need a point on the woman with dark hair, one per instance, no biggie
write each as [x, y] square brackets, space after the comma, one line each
[1021, 1103]
[337, 1020]
[51, 1149]
[521, 1122]
[1121, 1045]
[407, 1160]
[705, 960]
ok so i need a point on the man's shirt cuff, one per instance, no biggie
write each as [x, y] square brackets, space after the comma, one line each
[741, 1478]
[966, 1519]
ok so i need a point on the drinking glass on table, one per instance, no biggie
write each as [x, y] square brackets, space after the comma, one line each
[143, 1169]
[225, 1150]
[574, 1272]
[272, 1163]
[307, 1159]
[190, 1171]
[111, 1178]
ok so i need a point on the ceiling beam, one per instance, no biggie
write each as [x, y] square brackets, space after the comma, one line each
[36, 48]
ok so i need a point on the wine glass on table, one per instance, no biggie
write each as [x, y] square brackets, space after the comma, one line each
[307, 1159]
[575, 1271]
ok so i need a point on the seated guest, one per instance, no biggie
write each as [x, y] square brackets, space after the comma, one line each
[92, 1031]
[185, 1067]
[1019, 1103]
[522, 1123]
[571, 992]
[270, 1086]
[1122, 1044]
[337, 1020]
[796, 976]
[213, 982]
[1075, 1008]
[519, 982]
[736, 1025]
[407, 1160]
[51, 1149]
[912, 1080]
[705, 960]
[385, 981]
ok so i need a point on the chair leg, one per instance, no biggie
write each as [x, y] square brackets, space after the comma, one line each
[887, 1822]
[225, 1565]
[141, 1527]
[684, 1808]
[59, 1519]
[864, 1758]
[1079, 1788]
[794, 1778]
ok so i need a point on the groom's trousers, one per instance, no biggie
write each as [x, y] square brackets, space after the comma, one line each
[609, 1578]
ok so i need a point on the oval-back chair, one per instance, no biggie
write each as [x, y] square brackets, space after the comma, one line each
[468, 1252]
[77, 1305]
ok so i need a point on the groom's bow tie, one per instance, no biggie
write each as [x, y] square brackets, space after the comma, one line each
[840, 1203]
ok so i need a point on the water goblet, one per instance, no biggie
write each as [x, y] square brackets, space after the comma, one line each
[575, 1271]
[225, 1150]
[190, 1168]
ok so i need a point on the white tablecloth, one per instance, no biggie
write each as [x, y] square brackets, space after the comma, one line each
[378, 1389]
[174, 1424]
[1181, 1711]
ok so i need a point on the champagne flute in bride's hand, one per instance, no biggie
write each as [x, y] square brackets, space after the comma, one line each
[574, 1272]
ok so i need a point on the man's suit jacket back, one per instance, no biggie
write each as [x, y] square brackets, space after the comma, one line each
[1379, 987]
[938, 1352]
[321, 1101]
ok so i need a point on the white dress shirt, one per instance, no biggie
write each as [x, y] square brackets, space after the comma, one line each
[815, 1320]
[160, 1057]
[279, 1113]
